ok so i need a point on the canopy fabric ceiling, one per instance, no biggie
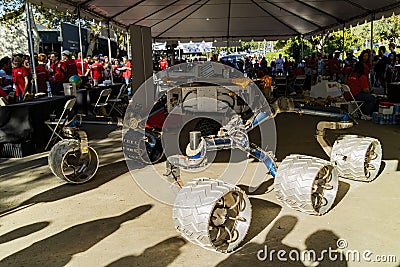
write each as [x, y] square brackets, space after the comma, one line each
[229, 19]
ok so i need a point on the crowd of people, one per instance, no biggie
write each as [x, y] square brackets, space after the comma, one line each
[362, 73]
[54, 69]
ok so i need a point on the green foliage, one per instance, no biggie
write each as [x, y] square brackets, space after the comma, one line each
[388, 29]
[11, 12]
[270, 55]
[254, 45]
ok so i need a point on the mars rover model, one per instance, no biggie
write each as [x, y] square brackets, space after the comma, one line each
[216, 214]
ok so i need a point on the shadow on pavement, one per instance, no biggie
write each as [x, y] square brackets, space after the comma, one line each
[58, 249]
[342, 191]
[98, 132]
[23, 231]
[263, 188]
[264, 212]
[322, 241]
[266, 254]
[382, 168]
[161, 254]
[104, 174]
[249, 255]
[18, 167]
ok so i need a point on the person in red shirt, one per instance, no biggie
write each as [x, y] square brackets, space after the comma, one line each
[58, 70]
[292, 79]
[116, 71]
[97, 71]
[359, 87]
[127, 70]
[163, 64]
[42, 76]
[79, 62]
[365, 58]
[312, 64]
[127, 74]
[20, 78]
[334, 65]
[69, 64]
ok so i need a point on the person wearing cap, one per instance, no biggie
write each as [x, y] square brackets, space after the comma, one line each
[70, 65]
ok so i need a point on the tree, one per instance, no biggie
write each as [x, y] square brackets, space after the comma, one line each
[13, 12]
[294, 46]
[389, 28]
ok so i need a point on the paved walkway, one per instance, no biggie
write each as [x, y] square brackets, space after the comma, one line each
[110, 221]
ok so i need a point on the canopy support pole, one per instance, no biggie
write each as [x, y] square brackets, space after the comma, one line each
[343, 39]
[80, 38]
[142, 63]
[372, 33]
[128, 43]
[33, 64]
[109, 51]
[229, 22]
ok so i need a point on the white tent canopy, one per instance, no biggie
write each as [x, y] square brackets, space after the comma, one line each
[229, 19]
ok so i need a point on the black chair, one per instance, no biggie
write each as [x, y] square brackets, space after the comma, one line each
[281, 85]
[102, 101]
[56, 125]
[120, 103]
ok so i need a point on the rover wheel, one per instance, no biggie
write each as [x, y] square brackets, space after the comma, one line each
[306, 184]
[212, 214]
[357, 158]
[143, 148]
[68, 163]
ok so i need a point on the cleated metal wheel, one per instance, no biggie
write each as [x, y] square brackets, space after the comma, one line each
[306, 184]
[68, 163]
[212, 214]
[145, 148]
[356, 157]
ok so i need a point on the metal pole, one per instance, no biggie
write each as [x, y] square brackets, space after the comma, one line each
[372, 33]
[80, 39]
[302, 47]
[33, 65]
[109, 51]
[265, 43]
[128, 44]
[343, 39]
